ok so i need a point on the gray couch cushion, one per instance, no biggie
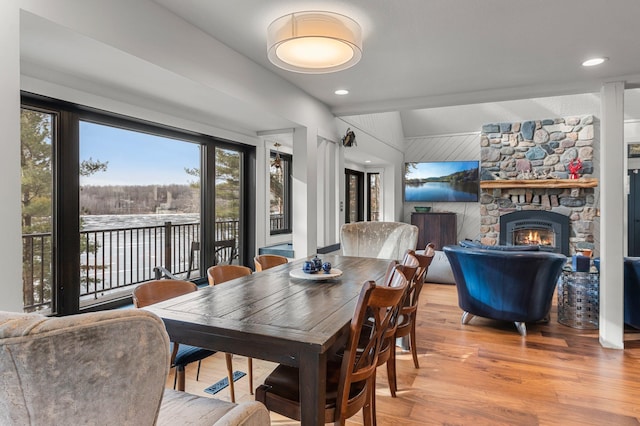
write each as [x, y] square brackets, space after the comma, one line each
[440, 270]
[180, 408]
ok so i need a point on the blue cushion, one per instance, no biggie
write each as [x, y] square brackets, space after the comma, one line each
[477, 244]
[188, 354]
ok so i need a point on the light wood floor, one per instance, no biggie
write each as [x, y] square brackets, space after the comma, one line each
[484, 373]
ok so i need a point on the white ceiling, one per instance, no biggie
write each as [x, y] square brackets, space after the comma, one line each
[420, 53]
[420, 57]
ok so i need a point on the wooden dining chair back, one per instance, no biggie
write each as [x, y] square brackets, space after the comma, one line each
[407, 318]
[219, 274]
[401, 275]
[350, 379]
[222, 273]
[156, 291]
[266, 261]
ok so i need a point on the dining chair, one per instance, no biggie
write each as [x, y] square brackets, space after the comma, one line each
[407, 318]
[222, 273]
[350, 377]
[400, 276]
[219, 274]
[156, 291]
[266, 261]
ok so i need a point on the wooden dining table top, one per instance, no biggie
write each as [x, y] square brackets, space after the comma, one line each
[271, 308]
[271, 316]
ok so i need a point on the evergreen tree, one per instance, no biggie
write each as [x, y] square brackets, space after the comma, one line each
[227, 184]
[36, 188]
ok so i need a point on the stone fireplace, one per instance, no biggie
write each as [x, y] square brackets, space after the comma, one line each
[525, 172]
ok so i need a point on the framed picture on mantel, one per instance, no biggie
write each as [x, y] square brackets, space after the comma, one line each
[634, 150]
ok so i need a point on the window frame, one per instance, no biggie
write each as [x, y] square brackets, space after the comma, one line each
[359, 196]
[369, 187]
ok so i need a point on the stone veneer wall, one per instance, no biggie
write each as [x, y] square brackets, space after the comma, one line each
[538, 150]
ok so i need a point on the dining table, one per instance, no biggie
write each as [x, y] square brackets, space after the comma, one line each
[273, 316]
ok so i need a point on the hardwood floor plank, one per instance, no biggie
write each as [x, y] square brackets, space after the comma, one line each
[485, 373]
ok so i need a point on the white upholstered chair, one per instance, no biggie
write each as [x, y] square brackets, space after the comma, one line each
[104, 368]
[383, 240]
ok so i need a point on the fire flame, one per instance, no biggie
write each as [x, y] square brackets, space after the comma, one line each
[534, 237]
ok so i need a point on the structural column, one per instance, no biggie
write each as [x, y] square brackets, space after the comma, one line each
[10, 224]
[612, 208]
[305, 192]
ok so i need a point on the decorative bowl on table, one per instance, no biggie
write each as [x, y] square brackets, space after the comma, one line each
[422, 209]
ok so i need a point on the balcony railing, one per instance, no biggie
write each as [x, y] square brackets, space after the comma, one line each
[113, 259]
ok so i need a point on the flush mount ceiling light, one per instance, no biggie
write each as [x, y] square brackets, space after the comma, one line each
[314, 42]
[341, 92]
[593, 62]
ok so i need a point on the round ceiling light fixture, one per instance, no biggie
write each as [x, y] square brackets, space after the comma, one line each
[593, 62]
[341, 92]
[314, 42]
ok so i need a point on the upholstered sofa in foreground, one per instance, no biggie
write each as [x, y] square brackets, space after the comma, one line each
[383, 240]
[507, 285]
[106, 368]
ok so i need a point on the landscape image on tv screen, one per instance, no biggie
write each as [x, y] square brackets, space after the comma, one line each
[442, 181]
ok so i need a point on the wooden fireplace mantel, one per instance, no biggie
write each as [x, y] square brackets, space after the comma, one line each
[540, 183]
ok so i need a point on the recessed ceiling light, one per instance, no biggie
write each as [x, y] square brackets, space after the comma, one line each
[367, 161]
[593, 62]
[341, 92]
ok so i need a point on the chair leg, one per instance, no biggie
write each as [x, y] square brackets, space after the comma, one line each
[391, 371]
[368, 410]
[466, 317]
[198, 373]
[413, 345]
[232, 389]
[180, 377]
[250, 367]
[372, 399]
[522, 328]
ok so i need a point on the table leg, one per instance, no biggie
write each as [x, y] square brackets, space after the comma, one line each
[313, 388]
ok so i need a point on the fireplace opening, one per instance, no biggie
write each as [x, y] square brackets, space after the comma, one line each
[532, 236]
[549, 230]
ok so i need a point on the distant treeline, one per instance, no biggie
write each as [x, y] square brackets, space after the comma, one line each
[470, 175]
[139, 199]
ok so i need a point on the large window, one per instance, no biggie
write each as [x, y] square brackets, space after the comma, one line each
[280, 193]
[110, 201]
[136, 190]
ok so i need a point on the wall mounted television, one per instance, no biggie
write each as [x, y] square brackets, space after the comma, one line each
[442, 181]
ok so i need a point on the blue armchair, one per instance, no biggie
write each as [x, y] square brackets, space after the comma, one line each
[504, 284]
[632, 291]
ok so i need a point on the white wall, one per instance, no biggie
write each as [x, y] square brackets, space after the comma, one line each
[10, 248]
[379, 137]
